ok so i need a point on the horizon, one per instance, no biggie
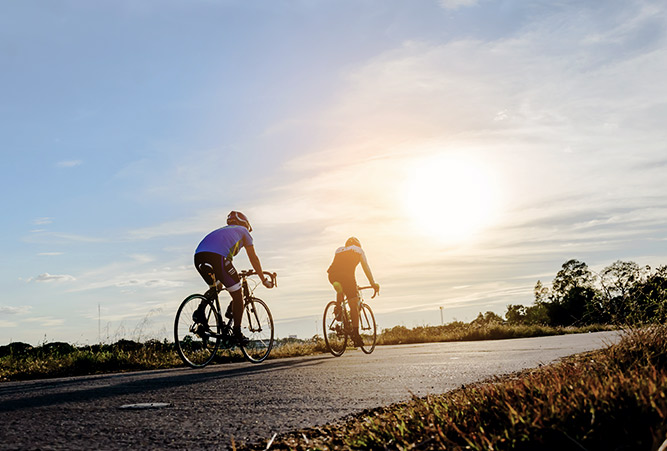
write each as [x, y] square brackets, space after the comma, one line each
[473, 146]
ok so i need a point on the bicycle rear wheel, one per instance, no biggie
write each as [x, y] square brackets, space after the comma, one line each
[194, 342]
[333, 329]
[367, 328]
[257, 326]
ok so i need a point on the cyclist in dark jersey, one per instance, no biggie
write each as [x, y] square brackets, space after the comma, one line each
[213, 258]
[342, 277]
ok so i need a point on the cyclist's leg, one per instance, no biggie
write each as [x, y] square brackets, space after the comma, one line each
[352, 293]
[340, 296]
[209, 266]
[214, 267]
[231, 280]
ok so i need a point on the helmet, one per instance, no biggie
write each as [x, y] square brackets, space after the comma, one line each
[238, 218]
[352, 241]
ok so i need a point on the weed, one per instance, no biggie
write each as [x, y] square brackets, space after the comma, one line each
[614, 398]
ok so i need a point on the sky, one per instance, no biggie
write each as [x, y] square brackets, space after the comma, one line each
[473, 146]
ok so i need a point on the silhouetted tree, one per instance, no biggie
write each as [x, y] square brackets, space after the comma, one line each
[617, 296]
[486, 319]
[516, 314]
[649, 298]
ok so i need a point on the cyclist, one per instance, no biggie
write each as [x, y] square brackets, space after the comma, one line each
[213, 258]
[342, 277]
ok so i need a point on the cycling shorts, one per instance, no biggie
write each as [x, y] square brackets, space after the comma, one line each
[346, 285]
[207, 262]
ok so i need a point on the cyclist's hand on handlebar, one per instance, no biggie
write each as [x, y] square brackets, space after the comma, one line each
[268, 283]
[376, 289]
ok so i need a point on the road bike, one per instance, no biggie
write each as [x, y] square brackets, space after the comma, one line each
[198, 342]
[337, 325]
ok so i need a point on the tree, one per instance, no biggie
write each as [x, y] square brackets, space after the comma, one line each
[618, 296]
[573, 295]
[516, 314]
[486, 319]
[541, 293]
[649, 298]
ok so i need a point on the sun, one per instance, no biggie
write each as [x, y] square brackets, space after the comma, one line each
[450, 198]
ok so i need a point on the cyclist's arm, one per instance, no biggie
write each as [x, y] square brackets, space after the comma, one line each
[367, 269]
[254, 261]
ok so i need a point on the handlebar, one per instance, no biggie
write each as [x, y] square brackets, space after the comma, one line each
[252, 272]
[369, 287]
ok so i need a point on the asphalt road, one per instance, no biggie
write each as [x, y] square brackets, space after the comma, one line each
[209, 408]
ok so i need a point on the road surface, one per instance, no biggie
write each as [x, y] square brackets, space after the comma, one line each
[209, 408]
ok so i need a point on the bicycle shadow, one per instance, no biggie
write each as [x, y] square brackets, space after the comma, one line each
[24, 394]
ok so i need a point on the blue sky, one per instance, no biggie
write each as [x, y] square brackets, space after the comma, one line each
[473, 146]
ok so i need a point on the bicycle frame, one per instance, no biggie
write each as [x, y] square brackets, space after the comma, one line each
[254, 322]
[337, 326]
[197, 340]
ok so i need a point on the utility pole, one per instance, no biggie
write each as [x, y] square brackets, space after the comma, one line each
[99, 324]
[442, 320]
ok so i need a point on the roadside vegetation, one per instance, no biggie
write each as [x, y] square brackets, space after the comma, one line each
[21, 361]
[612, 399]
[578, 300]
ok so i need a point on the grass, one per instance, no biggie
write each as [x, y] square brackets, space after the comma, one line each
[59, 359]
[612, 399]
[20, 361]
[458, 331]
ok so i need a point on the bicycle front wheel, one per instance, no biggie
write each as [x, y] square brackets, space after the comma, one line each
[333, 329]
[194, 341]
[257, 326]
[367, 328]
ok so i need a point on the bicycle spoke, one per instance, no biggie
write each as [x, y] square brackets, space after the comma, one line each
[257, 326]
[334, 329]
[194, 342]
[367, 328]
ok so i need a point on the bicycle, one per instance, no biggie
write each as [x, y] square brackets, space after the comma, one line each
[197, 343]
[337, 325]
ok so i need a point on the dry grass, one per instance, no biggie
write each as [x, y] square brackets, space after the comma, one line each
[614, 399]
[20, 361]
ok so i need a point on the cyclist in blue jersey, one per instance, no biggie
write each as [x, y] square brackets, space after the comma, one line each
[342, 277]
[213, 258]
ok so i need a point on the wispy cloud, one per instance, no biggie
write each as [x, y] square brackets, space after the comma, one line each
[44, 236]
[555, 128]
[150, 283]
[69, 163]
[455, 4]
[42, 221]
[46, 321]
[46, 277]
[13, 310]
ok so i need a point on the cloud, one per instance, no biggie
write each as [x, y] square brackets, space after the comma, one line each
[152, 283]
[46, 277]
[42, 221]
[69, 163]
[43, 236]
[50, 254]
[12, 310]
[559, 110]
[456, 4]
[46, 321]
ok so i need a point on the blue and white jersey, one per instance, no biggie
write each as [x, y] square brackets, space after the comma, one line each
[226, 241]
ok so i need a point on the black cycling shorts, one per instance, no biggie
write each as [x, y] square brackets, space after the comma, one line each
[347, 284]
[224, 271]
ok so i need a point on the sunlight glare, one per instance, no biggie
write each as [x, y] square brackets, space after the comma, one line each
[450, 197]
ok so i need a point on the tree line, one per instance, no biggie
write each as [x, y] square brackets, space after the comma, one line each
[622, 293]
